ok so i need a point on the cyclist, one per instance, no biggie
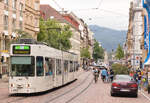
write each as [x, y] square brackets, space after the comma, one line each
[96, 74]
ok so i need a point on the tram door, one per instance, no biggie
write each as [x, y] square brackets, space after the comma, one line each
[49, 71]
[65, 71]
[58, 72]
[71, 74]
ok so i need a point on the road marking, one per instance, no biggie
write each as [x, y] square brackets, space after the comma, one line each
[145, 95]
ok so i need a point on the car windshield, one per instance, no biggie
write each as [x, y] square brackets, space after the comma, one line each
[123, 78]
[22, 66]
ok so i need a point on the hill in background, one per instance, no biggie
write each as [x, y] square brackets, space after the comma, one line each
[109, 38]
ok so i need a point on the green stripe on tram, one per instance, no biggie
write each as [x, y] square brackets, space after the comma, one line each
[22, 47]
[26, 47]
[17, 47]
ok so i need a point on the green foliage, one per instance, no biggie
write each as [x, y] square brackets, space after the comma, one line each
[54, 34]
[23, 34]
[119, 69]
[98, 52]
[85, 53]
[119, 52]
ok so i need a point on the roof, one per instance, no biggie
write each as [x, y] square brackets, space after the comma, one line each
[48, 12]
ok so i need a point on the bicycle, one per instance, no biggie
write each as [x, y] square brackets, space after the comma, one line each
[95, 78]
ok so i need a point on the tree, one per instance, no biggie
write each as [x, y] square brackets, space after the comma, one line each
[85, 53]
[98, 52]
[119, 69]
[54, 34]
[119, 52]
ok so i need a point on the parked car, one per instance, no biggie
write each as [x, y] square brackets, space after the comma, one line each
[124, 84]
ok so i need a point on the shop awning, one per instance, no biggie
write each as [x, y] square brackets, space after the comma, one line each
[147, 60]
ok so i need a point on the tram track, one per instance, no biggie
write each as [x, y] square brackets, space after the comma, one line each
[18, 99]
[63, 94]
[11, 97]
[80, 92]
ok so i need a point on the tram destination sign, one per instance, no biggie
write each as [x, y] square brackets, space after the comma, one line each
[21, 49]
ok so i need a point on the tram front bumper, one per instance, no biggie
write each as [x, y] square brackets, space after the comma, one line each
[21, 90]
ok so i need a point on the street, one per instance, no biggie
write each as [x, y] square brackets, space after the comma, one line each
[84, 90]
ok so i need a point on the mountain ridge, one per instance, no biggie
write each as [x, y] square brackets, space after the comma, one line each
[110, 38]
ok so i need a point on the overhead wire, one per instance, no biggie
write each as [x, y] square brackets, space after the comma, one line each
[57, 5]
[97, 8]
[100, 3]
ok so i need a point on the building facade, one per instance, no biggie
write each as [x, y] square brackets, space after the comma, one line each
[134, 35]
[32, 15]
[129, 40]
[14, 17]
[75, 39]
[146, 33]
[64, 18]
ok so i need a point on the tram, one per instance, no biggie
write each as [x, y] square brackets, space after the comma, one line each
[36, 67]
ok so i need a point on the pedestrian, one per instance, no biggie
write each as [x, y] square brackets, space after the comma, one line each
[111, 75]
[131, 74]
[139, 79]
[96, 74]
[135, 76]
[104, 75]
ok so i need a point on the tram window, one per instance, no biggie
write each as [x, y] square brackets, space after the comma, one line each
[39, 66]
[46, 66]
[51, 66]
[58, 66]
[71, 66]
[66, 66]
[22, 66]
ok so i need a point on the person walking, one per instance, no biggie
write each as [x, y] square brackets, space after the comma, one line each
[139, 79]
[96, 74]
[104, 75]
[111, 75]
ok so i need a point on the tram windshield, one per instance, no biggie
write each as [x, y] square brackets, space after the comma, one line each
[22, 66]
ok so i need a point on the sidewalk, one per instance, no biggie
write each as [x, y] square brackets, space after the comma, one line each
[145, 94]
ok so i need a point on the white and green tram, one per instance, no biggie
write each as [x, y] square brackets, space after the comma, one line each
[37, 67]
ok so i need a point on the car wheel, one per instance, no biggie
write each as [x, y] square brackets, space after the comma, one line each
[112, 94]
[136, 95]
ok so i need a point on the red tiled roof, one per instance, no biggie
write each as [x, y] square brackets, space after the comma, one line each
[47, 11]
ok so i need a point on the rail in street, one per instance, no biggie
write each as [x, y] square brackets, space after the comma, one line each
[84, 90]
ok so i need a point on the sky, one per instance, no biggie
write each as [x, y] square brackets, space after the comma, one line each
[112, 14]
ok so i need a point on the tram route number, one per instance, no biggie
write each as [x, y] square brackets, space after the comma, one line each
[21, 49]
[21, 52]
